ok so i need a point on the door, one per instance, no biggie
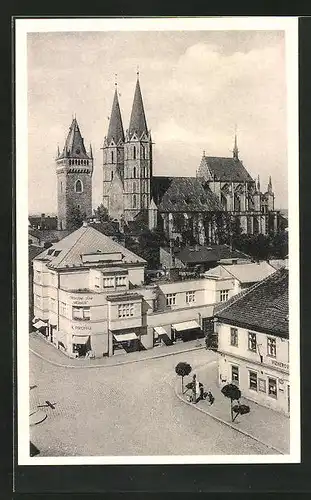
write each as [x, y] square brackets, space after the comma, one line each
[288, 399]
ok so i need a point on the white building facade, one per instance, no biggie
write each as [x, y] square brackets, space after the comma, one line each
[253, 344]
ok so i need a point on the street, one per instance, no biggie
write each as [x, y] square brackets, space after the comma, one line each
[126, 410]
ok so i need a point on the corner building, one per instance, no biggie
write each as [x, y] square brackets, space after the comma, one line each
[253, 343]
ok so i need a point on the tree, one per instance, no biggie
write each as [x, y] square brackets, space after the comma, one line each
[101, 213]
[183, 369]
[232, 392]
[75, 218]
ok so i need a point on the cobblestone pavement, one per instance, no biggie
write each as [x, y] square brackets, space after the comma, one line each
[45, 349]
[270, 427]
[126, 410]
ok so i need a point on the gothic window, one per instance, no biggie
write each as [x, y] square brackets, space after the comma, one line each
[134, 152]
[237, 203]
[111, 175]
[134, 201]
[69, 162]
[134, 169]
[143, 153]
[223, 200]
[111, 156]
[61, 187]
[87, 162]
[134, 187]
[78, 186]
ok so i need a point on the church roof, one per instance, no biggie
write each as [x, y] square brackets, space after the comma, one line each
[115, 130]
[264, 307]
[224, 169]
[74, 145]
[138, 122]
[68, 252]
[183, 194]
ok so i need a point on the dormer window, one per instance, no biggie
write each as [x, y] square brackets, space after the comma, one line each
[78, 186]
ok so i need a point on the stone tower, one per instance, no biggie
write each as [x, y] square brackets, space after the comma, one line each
[113, 162]
[74, 169]
[137, 161]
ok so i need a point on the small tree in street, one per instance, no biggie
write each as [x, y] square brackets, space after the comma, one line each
[183, 369]
[232, 392]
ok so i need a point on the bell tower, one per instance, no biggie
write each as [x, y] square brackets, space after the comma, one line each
[137, 160]
[74, 170]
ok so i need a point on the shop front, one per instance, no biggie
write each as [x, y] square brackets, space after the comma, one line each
[126, 342]
[81, 345]
[185, 331]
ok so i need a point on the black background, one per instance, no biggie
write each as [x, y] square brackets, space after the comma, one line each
[182, 478]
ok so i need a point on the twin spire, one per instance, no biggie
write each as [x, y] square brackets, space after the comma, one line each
[138, 123]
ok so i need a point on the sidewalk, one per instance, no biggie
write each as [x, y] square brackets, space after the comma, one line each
[42, 348]
[264, 425]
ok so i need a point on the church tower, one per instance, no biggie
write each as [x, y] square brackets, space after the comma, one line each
[74, 169]
[113, 162]
[137, 161]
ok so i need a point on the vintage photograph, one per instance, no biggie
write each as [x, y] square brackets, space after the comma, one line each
[157, 174]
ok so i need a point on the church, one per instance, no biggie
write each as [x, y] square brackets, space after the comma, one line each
[221, 198]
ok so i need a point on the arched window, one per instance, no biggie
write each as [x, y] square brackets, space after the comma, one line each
[111, 174]
[134, 152]
[111, 156]
[87, 162]
[134, 200]
[134, 187]
[69, 162]
[78, 186]
[134, 171]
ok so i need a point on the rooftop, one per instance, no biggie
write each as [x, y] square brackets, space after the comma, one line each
[223, 169]
[263, 307]
[211, 253]
[183, 194]
[251, 272]
[68, 252]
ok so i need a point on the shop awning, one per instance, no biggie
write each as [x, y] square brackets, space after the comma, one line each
[39, 324]
[125, 337]
[80, 339]
[186, 325]
[160, 330]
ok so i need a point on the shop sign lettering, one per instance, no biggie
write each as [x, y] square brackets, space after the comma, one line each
[81, 301]
[81, 327]
[280, 364]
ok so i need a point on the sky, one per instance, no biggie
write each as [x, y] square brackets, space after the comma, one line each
[196, 86]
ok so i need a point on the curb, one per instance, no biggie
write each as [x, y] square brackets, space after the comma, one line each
[157, 356]
[228, 424]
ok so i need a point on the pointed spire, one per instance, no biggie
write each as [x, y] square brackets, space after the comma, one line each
[235, 147]
[258, 184]
[138, 122]
[115, 130]
[270, 185]
[74, 144]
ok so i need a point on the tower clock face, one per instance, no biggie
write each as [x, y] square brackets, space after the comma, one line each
[78, 151]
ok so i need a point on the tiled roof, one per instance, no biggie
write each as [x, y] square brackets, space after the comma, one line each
[85, 240]
[224, 169]
[138, 124]
[264, 307]
[212, 253]
[183, 194]
[250, 272]
[115, 130]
